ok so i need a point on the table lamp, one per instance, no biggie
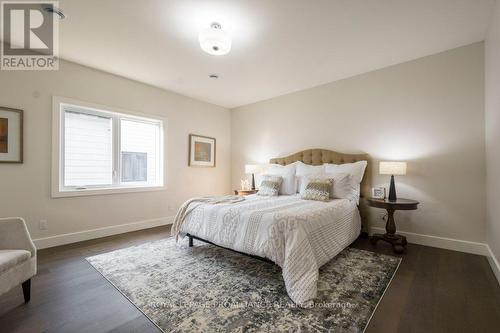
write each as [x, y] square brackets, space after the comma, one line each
[393, 169]
[252, 169]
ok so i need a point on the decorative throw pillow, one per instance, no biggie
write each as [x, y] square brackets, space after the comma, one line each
[274, 178]
[318, 189]
[343, 186]
[270, 188]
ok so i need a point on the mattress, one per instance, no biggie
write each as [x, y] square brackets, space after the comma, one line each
[298, 235]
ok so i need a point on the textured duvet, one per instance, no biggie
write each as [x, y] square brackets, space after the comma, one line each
[298, 235]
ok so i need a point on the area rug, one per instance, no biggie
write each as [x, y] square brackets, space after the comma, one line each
[209, 289]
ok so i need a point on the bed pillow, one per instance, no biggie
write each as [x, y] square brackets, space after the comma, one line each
[318, 189]
[305, 170]
[356, 169]
[343, 185]
[287, 173]
[270, 187]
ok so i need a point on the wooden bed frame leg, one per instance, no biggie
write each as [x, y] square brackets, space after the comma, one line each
[190, 241]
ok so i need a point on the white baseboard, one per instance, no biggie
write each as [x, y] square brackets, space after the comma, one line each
[441, 242]
[46, 242]
[495, 266]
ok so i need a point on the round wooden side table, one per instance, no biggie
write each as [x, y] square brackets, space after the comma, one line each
[398, 242]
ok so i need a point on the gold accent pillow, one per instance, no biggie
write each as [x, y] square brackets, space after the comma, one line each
[318, 189]
[270, 188]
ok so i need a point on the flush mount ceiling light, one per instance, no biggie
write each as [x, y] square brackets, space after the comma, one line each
[214, 40]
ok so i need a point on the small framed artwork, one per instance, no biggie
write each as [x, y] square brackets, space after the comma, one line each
[378, 192]
[201, 151]
[11, 135]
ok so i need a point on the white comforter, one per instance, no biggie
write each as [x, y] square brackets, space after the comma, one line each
[298, 235]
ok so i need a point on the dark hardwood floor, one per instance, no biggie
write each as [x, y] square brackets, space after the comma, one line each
[434, 290]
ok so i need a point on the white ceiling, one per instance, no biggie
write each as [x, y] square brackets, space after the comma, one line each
[279, 46]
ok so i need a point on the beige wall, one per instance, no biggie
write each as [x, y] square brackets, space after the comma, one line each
[492, 93]
[25, 188]
[429, 112]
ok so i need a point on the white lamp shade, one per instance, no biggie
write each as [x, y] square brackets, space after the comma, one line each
[252, 168]
[392, 168]
[215, 41]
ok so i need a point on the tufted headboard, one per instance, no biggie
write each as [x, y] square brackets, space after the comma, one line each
[321, 156]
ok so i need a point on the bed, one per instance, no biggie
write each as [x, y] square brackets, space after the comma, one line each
[298, 235]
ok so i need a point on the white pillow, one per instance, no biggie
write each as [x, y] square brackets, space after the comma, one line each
[356, 169]
[287, 172]
[306, 169]
[344, 187]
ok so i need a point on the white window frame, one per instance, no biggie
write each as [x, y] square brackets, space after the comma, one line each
[58, 188]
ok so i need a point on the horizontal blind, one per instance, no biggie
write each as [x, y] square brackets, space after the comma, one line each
[88, 149]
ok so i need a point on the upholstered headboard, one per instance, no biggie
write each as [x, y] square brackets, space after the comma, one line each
[321, 156]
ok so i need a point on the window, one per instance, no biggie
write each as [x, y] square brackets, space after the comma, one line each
[101, 151]
[139, 151]
[88, 149]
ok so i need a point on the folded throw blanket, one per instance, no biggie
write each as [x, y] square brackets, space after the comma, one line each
[192, 203]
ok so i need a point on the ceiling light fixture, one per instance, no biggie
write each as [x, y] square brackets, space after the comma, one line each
[213, 76]
[214, 40]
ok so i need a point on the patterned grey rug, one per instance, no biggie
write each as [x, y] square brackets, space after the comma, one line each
[209, 289]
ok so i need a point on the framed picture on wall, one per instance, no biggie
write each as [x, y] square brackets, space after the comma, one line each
[11, 135]
[201, 151]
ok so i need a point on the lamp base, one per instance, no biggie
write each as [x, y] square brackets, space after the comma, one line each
[253, 182]
[392, 190]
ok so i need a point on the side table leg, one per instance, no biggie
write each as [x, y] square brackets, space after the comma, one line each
[390, 226]
[398, 242]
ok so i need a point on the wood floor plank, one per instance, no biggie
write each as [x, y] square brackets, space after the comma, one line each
[434, 290]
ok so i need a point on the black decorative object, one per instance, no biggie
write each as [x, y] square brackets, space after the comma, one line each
[253, 182]
[392, 190]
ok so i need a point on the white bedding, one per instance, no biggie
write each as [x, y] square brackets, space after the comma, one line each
[298, 235]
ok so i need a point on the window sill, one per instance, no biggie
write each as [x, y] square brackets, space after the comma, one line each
[105, 191]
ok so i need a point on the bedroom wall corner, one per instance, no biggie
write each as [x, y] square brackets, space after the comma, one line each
[492, 136]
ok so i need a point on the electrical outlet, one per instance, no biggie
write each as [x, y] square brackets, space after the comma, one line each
[43, 225]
